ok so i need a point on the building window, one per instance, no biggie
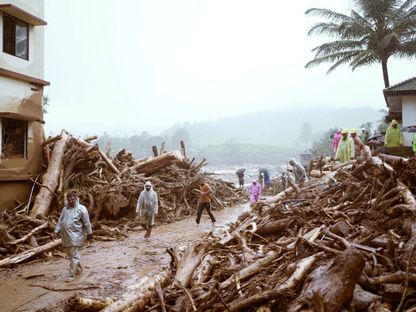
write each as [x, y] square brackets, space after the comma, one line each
[15, 37]
[13, 138]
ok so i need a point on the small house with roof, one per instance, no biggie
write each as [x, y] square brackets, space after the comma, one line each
[401, 101]
[21, 97]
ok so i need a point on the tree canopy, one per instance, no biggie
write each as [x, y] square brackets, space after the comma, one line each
[373, 32]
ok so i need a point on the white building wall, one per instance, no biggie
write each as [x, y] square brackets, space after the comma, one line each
[409, 117]
[34, 66]
[12, 92]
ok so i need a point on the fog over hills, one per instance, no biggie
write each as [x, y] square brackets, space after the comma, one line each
[269, 137]
[280, 127]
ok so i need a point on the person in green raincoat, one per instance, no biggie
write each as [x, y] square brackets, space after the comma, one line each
[414, 144]
[346, 149]
[393, 137]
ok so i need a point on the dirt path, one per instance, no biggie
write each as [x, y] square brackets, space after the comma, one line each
[109, 267]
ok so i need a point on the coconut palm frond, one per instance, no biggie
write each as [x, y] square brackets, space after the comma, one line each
[324, 28]
[407, 5]
[407, 49]
[337, 46]
[347, 59]
[363, 59]
[374, 31]
[339, 57]
[405, 23]
[328, 14]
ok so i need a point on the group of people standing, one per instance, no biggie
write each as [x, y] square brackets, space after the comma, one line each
[347, 145]
[295, 175]
[256, 186]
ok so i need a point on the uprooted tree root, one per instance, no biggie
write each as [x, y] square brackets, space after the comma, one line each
[109, 188]
[347, 241]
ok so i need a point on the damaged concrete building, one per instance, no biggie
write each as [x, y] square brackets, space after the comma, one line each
[21, 97]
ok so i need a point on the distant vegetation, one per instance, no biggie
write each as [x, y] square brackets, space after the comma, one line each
[260, 138]
[293, 126]
[227, 153]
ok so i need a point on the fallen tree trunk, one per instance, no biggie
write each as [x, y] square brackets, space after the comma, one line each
[393, 158]
[139, 295]
[302, 268]
[188, 263]
[155, 164]
[203, 271]
[27, 236]
[273, 227]
[394, 278]
[331, 284]
[408, 197]
[50, 179]
[317, 173]
[87, 304]
[252, 269]
[104, 157]
[362, 299]
[281, 195]
[29, 253]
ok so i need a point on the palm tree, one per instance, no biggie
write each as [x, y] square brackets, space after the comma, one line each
[376, 30]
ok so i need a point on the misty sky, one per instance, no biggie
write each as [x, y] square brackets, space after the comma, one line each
[130, 65]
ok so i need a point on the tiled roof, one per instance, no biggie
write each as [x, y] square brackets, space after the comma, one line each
[407, 86]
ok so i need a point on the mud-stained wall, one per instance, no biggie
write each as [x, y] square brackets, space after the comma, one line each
[13, 193]
[19, 101]
[21, 98]
[18, 98]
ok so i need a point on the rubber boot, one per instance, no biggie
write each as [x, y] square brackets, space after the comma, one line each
[146, 228]
[149, 231]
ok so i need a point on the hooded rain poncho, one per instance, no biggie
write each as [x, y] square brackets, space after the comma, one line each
[147, 203]
[346, 150]
[393, 137]
[335, 140]
[255, 191]
[298, 171]
[73, 224]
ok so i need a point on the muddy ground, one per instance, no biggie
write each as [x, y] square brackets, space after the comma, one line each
[109, 267]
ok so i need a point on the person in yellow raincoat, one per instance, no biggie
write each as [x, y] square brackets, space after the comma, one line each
[346, 149]
[393, 137]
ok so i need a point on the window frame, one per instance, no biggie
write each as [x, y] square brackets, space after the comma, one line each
[15, 23]
[25, 139]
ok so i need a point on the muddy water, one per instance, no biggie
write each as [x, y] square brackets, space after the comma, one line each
[109, 267]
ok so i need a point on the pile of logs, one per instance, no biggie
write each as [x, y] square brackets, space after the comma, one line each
[109, 188]
[344, 241]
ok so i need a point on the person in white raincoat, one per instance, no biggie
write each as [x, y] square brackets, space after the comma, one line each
[147, 207]
[298, 171]
[73, 224]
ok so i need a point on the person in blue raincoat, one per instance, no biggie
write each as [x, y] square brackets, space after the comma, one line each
[265, 177]
[73, 224]
[267, 181]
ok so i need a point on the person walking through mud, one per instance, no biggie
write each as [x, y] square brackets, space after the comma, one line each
[147, 207]
[72, 226]
[254, 191]
[204, 202]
